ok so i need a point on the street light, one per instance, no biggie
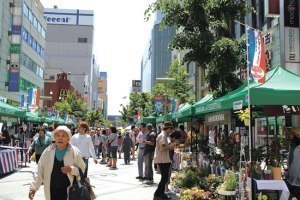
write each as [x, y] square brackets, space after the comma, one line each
[165, 81]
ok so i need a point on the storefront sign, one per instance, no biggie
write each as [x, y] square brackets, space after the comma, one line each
[217, 118]
[16, 30]
[69, 17]
[238, 105]
[14, 76]
[15, 48]
[9, 119]
[270, 111]
[291, 13]
[209, 107]
[292, 44]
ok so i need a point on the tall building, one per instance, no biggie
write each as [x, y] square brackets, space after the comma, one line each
[69, 46]
[157, 57]
[23, 29]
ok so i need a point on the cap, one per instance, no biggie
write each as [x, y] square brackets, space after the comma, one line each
[63, 128]
[149, 125]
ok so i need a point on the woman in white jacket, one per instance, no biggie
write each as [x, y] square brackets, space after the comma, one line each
[57, 167]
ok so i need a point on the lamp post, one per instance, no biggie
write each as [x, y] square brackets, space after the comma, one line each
[166, 82]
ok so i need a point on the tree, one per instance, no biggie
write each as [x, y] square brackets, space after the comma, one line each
[181, 88]
[205, 35]
[72, 105]
[139, 102]
[93, 116]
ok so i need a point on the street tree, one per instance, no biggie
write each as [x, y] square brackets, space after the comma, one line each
[94, 116]
[205, 37]
[72, 105]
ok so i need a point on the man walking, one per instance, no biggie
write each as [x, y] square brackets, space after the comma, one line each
[141, 139]
[162, 159]
[82, 140]
[149, 152]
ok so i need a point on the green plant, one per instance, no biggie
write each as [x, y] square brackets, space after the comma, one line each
[244, 114]
[230, 181]
[274, 150]
[194, 194]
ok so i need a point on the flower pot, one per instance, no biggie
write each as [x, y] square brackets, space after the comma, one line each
[276, 171]
[267, 174]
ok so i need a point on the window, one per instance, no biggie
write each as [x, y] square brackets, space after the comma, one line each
[24, 34]
[38, 48]
[43, 33]
[29, 40]
[51, 77]
[25, 10]
[34, 44]
[30, 16]
[35, 22]
[82, 40]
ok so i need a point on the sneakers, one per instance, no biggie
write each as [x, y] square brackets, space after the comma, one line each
[140, 178]
[148, 182]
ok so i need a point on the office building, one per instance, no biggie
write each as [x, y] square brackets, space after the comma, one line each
[69, 46]
[157, 57]
[22, 33]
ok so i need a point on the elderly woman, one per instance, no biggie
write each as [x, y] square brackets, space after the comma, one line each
[57, 167]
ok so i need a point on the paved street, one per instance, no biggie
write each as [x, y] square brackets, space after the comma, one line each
[110, 184]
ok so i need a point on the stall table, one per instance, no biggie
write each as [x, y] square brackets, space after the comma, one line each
[8, 161]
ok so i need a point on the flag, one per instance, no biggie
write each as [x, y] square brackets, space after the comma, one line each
[139, 114]
[158, 103]
[73, 119]
[174, 105]
[68, 118]
[56, 115]
[256, 56]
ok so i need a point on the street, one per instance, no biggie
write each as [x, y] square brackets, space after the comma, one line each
[109, 184]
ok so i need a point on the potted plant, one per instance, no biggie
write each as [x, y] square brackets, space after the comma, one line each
[244, 115]
[275, 148]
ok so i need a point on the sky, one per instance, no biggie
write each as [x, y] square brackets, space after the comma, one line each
[120, 37]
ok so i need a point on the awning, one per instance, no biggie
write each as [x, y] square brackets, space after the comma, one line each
[161, 118]
[184, 113]
[8, 110]
[282, 87]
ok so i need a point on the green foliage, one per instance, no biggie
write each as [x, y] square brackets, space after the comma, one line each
[138, 101]
[191, 177]
[204, 34]
[72, 105]
[230, 181]
[93, 116]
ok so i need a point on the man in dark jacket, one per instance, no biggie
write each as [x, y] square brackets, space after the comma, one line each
[149, 153]
[126, 146]
[5, 136]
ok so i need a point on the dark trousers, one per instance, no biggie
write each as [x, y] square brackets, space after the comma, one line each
[58, 193]
[164, 171]
[148, 158]
[126, 156]
[37, 158]
[86, 161]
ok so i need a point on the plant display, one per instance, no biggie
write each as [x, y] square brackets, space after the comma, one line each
[261, 196]
[211, 182]
[244, 114]
[230, 181]
[190, 177]
[194, 194]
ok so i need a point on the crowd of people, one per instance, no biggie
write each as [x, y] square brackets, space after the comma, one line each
[62, 152]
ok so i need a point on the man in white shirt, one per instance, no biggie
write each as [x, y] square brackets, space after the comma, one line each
[83, 141]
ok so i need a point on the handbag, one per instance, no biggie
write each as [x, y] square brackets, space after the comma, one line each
[109, 144]
[79, 190]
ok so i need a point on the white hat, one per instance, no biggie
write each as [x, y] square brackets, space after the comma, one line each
[45, 125]
[63, 128]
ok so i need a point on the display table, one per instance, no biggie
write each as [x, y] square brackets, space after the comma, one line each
[227, 194]
[8, 160]
[274, 185]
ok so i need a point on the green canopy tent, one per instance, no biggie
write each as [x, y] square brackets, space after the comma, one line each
[183, 114]
[161, 118]
[11, 111]
[281, 88]
[150, 119]
[33, 117]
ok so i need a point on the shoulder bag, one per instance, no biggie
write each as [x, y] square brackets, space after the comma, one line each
[109, 144]
[79, 190]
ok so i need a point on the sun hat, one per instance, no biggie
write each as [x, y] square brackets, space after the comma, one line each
[62, 128]
[168, 125]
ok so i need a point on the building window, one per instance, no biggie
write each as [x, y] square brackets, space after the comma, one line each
[82, 40]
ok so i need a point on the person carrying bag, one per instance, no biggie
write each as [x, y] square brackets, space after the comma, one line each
[79, 190]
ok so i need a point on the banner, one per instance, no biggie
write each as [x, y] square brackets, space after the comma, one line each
[68, 118]
[49, 113]
[175, 105]
[256, 56]
[33, 98]
[23, 102]
[56, 115]
[158, 103]
[14, 76]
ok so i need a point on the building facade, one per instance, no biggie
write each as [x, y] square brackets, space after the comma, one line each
[23, 32]
[69, 38]
[157, 57]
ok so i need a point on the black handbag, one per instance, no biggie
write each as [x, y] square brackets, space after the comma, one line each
[79, 190]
